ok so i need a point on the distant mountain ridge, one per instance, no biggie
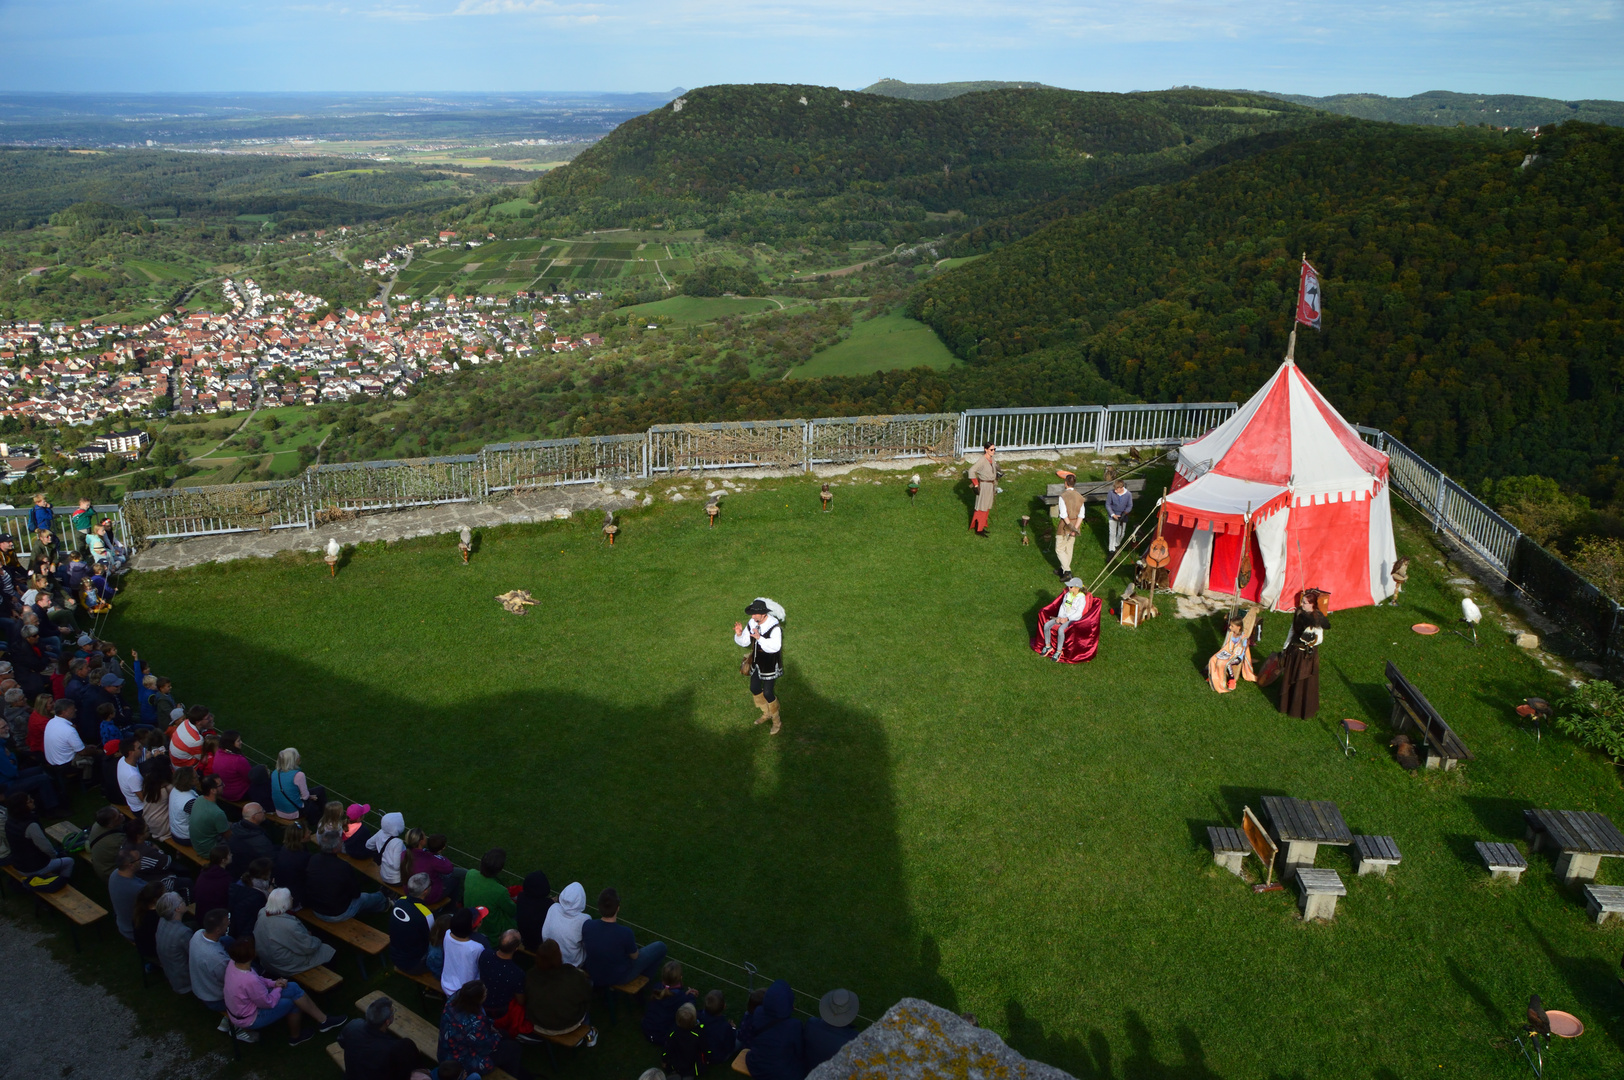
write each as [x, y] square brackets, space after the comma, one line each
[942, 91]
[1447, 108]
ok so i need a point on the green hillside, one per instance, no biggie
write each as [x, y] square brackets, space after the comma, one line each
[1471, 283]
[773, 162]
[1450, 109]
[942, 91]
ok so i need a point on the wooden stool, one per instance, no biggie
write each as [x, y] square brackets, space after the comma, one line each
[1317, 893]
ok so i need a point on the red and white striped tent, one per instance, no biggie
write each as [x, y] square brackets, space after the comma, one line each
[1314, 493]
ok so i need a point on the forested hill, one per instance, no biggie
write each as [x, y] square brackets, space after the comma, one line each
[1442, 107]
[940, 91]
[1472, 292]
[762, 162]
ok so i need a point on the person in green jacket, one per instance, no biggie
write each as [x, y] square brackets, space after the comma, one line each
[485, 889]
[209, 824]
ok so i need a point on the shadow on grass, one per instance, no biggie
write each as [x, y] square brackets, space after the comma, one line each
[1234, 798]
[1372, 697]
[1491, 1009]
[1095, 1061]
[1502, 817]
[1591, 980]
[1207, 637]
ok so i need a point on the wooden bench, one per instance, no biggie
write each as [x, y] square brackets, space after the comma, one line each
[426, 979]
[336, 1052]
[317, 979]
[739, 1063]
[372, 871]
[79, 908]
[1503, 860]
[366, 940]
[1604, 901]
[411, 1026]
[1317, 893]
[1091, 490]
[1229, 848]
[1412, 709]
[1374, 854]
[631, 989]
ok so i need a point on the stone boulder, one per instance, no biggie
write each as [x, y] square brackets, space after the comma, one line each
[916, 1040]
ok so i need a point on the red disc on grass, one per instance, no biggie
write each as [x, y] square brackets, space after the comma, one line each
[1354, 725]
[1424, 628]
[1565, 1025]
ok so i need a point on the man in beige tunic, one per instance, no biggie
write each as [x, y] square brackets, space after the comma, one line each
[1070, 511]
[984, 478]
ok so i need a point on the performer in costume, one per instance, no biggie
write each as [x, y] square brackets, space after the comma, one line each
[1233, 660]
[764, 636]
[1072, 619]
[1299, 668]
[984, 478]
[1070, 524]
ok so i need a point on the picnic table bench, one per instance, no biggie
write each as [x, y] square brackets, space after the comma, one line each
[366, 940]
[1503, 860]
[80, 909]
[1604, 901]
[1412, 709]
[1229, 848]
[1317, 891]
[426, 1035]
[1582, 838]
[1091, 491]
[1374, 854]
[317, 979]
[370, 869]
[1301, 826]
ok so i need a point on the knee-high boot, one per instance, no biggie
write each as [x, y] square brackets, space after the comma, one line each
[772, 708]
[761, 703]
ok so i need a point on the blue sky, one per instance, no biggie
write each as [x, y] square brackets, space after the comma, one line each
[1563, 49]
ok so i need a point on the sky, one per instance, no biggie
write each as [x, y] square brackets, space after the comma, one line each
[1562, 48]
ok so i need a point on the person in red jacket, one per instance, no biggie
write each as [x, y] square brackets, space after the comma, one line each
[232, 767]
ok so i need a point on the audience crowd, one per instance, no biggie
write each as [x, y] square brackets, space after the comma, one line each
[253, 849]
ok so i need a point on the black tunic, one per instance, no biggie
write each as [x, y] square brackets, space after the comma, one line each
[1299, 669]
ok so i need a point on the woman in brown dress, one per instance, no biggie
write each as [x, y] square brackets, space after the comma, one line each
[1299, 669]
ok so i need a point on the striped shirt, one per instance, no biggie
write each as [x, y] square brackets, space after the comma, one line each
[185, 744]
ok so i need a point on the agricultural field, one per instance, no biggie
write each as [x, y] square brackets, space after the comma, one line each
[967, 823]
[886, 343]
[503, 267]
[692, 310]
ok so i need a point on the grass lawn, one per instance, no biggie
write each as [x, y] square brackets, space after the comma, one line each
[686, 310]
[882, 344]
[945, 815]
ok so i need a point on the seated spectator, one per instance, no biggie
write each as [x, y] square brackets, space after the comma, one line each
[389, 850]
[62, 743]
[484, 889]
[445, 878]
[155, 863]
[777, 1050]
[205, 765]
[468, 1037]
[412, 932]
[247, 897]
[206, 961]
[684, 1046]
[660, 1012]
[612, 955]
[350, 824]
[716, 1030]
[504, 986]
[285, 946]
[123, 886]
[213, 888]
[182, 793]
[831, 1029]
[372, 1051]
[208, 825]
[155, 761]
[291, 863]
[249, 841]
[110, 691]
[104, 840]
[174, 940]
[564, 921]
[33, 854]
[44, 709]
[155, 805]
[33, 779]
[16, 710]
[291, 792]
[254, 1002]
[146, 922]
[186, 737]
[332, 889]
[531, 908]
[232, 767]
[462, 947]
[557, 996]
[752, 1006]
[129, 773]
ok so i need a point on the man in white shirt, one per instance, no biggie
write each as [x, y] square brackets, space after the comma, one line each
[61, 742]
[129, 775]
[1070, 511]
[763, 635]
[1071, 609]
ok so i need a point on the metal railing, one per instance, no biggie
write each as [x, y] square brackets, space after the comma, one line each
[1162, 425]
[742, 445]
[1065, 427]
[367, 486]
[14, 523]
[1450, 507]
[843, 440]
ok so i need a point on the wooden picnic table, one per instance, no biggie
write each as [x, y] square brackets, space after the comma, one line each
[1091, 491]
[1302, 825]
[1583, 839]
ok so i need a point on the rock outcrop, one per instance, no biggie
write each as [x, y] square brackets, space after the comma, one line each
[916, 1040]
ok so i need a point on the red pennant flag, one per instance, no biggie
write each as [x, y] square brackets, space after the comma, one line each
[1308, 297]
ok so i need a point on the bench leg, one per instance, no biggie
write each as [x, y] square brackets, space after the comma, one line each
[361, 962]
[1575, 868]
[1230, 860]
[1373, 866]
[1321, 906]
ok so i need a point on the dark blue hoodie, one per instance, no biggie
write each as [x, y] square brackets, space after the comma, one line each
[776, 1050]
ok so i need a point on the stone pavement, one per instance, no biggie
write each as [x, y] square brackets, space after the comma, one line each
[393, 525]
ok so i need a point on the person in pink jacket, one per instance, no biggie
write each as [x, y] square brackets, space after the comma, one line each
[232, 767]
[254, 1002]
